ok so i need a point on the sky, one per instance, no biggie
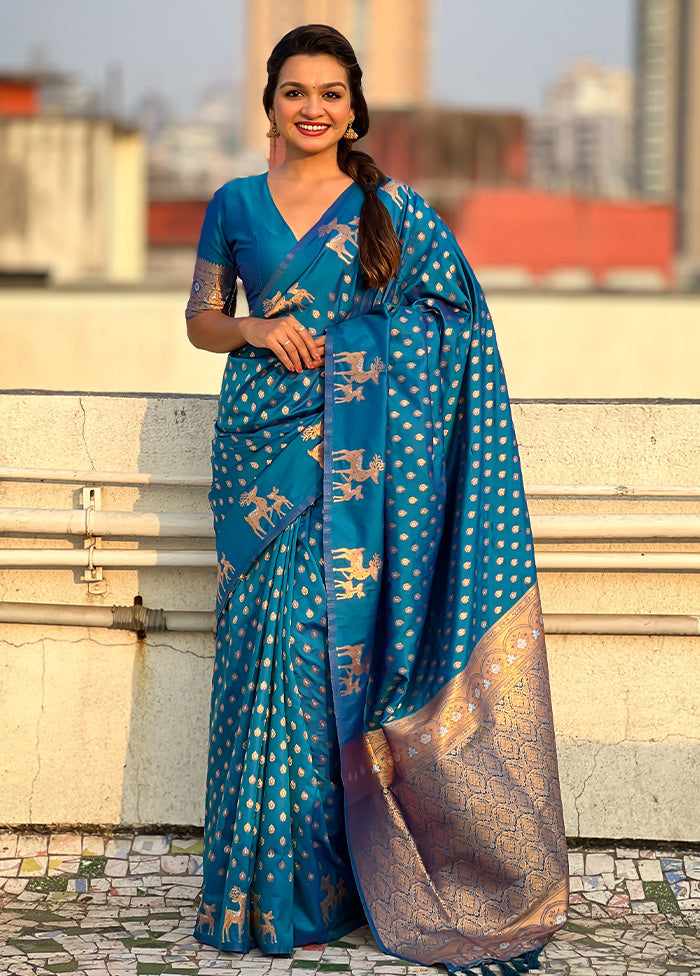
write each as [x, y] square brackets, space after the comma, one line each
[486, 53]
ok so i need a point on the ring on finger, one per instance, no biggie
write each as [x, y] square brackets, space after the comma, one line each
[301, 328]
[287, 342]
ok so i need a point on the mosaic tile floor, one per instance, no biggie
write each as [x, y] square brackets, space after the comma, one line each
[124, 906]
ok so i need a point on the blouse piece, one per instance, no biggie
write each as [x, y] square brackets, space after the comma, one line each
[244, 236]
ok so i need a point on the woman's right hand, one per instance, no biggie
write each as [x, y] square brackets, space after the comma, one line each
[292, 343]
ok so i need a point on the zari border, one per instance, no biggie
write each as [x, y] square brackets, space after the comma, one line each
[454, 814]
[507, 652]
[210, 287]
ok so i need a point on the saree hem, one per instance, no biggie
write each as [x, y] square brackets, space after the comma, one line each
[331, 935]
[527, 962]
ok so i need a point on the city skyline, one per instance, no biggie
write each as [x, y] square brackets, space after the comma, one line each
[486, 56]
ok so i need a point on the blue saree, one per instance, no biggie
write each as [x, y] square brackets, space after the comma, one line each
[381, 738]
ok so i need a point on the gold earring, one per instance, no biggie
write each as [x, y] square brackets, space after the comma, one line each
[273, 131]
[350, 133]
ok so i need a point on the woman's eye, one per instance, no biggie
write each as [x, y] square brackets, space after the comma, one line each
[332, 94]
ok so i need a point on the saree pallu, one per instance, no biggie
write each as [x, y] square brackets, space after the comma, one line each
[422, 613]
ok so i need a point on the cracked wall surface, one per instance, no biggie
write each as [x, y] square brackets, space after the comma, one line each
[99, 727]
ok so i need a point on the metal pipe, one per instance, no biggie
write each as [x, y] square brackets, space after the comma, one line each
[196, 621]
[678, 492]
[618, 562]
[92, 557]
[84, 522]
[71, 476]
[656, 624]
[567, 561]
[136, 618]
[546, 528]
[552, 528]
[54, 614]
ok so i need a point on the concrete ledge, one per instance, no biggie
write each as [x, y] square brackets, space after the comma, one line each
[554, 344]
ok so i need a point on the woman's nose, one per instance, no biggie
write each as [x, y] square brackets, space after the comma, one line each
[313, 105]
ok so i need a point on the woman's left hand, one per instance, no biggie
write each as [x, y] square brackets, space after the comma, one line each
[292, 343]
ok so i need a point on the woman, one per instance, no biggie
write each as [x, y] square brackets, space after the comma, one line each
[381, 737]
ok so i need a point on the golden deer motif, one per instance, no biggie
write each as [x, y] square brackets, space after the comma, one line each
[394, 189]
[334, 895]
[346, 392]
[354, 473]
[350, 681]
[261, 511]
[224, 569]
[353, 575]
[266, 927]
[356, 374]
[235, 916]
[344, 234]
[278, 501]
[295, 297]
[205, 917]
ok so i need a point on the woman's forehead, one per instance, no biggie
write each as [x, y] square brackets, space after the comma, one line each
[313, 69]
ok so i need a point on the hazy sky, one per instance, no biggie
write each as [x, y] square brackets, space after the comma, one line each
[486, 52]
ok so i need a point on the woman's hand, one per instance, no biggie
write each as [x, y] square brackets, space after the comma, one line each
[288, 339]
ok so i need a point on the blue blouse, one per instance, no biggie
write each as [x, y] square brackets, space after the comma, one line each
[244, 236]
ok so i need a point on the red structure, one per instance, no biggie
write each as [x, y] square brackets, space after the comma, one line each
[19, 96]
[175, 223]
[544, 232]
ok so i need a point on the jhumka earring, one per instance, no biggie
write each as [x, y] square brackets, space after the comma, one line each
[350, 133]
[273, 131]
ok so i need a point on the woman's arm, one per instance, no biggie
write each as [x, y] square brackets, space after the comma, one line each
[215, 331]
[293, 345]
[210, 328]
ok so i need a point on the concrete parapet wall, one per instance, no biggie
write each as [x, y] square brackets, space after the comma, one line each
[553, 344]
[99, 727]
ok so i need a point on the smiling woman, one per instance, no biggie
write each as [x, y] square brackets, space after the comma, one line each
[381, 743]
[314, 106]
[312, 112]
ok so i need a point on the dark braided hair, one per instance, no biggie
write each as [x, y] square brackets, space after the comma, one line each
[379, 247]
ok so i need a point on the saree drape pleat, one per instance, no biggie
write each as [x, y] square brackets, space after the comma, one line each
[275, 804]
[409, 653]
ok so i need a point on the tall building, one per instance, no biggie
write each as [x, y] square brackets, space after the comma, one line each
[667, 138]
[582, 141]
[391, 39]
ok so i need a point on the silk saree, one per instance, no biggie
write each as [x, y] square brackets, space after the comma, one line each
[381, 742]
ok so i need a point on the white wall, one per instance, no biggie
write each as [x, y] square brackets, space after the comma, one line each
[98, 727]
[74, 199]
